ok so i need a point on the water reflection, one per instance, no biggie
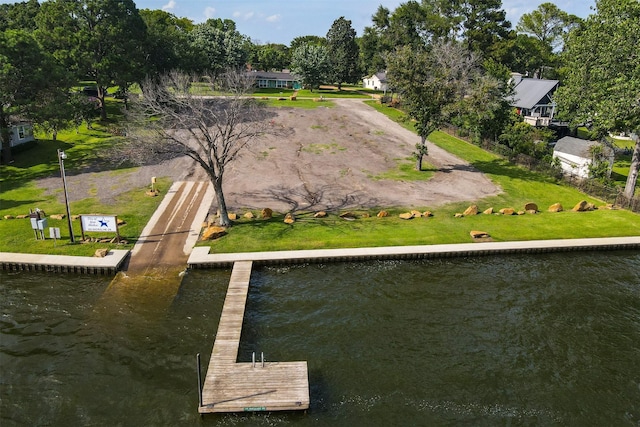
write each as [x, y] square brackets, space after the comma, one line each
[519, 340]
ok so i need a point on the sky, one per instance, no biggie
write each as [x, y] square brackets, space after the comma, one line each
[269, 21]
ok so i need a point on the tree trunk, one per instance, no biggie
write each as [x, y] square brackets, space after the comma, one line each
[103, 107]
[222, 205]
[630, 187]
[5, 138]
[421, 151]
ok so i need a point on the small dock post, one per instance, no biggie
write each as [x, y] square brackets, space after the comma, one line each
[199, 379]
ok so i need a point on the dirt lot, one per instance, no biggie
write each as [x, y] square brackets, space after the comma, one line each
[329, 161]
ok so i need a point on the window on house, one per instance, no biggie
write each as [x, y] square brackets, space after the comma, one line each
[21, 132]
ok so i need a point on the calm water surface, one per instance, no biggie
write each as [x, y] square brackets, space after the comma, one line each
[510, 340]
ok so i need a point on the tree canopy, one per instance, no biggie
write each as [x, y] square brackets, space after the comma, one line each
[311, 63]
[343, 52]
[601, 85]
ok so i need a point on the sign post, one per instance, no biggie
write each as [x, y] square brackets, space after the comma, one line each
[54, 233]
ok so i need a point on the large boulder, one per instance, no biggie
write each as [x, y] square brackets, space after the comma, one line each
[58, 216]
[248, 215]
[507, 211]
[406, 215]
[471, 210]
[349, 216]
[488, 211]
[427, 214]
[583, 206]
[289, 218]
[382, 214]
[213, 232]
[321, 214]
[479, 234]
[531, 207]
[233, 216]
[266, 213]
[416, 214]
[556, 207]
[101, 253]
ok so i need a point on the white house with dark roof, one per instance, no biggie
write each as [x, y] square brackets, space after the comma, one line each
[575, 155]
[534, 99]
[378, 81]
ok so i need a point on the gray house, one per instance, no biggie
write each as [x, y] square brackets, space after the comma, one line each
[276, 80]
[575, 155]
[533, 98]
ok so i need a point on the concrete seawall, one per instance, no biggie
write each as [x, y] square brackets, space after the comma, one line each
[201, 258]
[110, 264]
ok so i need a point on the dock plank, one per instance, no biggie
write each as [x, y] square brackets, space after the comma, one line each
[230, 386]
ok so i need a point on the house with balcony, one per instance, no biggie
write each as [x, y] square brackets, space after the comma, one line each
[533, 99]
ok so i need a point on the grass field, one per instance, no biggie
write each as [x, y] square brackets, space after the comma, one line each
[19, 193]
[519, 186]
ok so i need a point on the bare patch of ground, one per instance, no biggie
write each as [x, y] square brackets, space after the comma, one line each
[329, 161]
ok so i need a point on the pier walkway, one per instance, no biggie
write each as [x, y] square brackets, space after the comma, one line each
[230, 386]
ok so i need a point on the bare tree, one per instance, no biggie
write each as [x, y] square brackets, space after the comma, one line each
[170, 121]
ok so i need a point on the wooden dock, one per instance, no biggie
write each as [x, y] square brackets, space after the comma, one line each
[241, 387]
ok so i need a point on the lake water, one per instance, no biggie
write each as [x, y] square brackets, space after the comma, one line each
[511, 340]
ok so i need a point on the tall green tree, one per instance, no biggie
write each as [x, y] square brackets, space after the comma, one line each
[303, 40]
[102, 40]
[431, 82]
[544, 31]
[271, 56]
[601, 84]
[28, 78]
[343, 52]
[311, 63]
[19, 15]
[217, 46]
[484, 25]
[548, 23]
[166, 46]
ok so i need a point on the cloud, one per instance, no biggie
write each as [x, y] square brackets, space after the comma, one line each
[244, 16]
[170, 5]
[209, 12]
[273, 18]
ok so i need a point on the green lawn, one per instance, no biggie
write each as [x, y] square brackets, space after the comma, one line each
[519, 186]
[19, 193]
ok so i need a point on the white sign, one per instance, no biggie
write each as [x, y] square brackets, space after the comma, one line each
[54, 232]
[101, 223]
